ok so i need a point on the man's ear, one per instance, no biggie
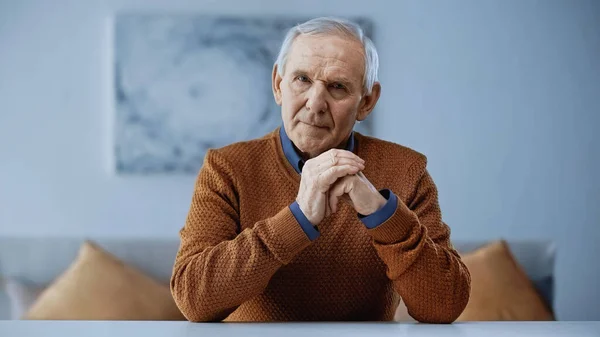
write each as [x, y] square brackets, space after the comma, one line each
[368, 102]
[276, 83]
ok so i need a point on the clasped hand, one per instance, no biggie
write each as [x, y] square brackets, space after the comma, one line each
[336, 174]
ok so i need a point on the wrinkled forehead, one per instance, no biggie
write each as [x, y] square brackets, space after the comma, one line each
[328, 54]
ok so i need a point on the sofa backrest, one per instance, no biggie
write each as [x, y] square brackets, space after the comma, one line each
[38, 261]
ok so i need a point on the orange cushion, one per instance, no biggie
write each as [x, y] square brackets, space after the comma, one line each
[98, 286]
[500, 289]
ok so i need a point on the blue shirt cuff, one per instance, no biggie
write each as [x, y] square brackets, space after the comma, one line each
[306, 225]
[373, 220]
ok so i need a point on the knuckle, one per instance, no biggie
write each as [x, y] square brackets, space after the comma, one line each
[334, 158]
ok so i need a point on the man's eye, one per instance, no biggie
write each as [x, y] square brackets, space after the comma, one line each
[338, 86]
[302, 78]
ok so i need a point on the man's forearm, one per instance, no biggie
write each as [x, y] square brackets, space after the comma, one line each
[210, 282]
[426, 272]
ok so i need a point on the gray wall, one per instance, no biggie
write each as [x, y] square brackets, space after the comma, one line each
[500, 95]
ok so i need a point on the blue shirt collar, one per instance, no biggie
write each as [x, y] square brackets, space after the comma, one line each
[294, 157]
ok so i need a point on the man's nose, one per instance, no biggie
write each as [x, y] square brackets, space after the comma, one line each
[317, 98]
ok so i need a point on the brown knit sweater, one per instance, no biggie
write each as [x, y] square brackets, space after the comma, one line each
[244, 257]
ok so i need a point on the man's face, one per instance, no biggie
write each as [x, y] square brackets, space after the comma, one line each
[321, 92]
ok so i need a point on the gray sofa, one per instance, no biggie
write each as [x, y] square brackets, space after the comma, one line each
[38, 261]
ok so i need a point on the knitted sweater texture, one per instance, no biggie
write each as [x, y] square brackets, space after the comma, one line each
[244, 257]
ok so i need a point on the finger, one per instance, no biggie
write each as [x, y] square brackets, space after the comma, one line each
[340, 162]
[364, 179]
[333, 200]
[339, 189]
[333, 174]
[332, 157]
[337, 153]
[341, 152]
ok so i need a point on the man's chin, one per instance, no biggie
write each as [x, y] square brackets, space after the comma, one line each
[312, 150]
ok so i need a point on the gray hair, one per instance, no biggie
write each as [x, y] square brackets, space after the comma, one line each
[337, 26]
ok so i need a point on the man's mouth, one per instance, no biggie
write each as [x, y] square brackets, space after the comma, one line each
[315, 125]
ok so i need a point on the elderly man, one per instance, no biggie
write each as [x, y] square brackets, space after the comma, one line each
[314, 221]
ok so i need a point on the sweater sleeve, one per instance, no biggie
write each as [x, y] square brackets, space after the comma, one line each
[424, 267]
[218, 267]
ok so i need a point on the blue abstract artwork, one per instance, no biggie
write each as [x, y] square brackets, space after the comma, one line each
[188, 83]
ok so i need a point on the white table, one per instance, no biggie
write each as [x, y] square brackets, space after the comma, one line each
[181, 329]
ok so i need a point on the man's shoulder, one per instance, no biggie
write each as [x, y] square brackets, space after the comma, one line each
[247, 151]
[390, 150]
